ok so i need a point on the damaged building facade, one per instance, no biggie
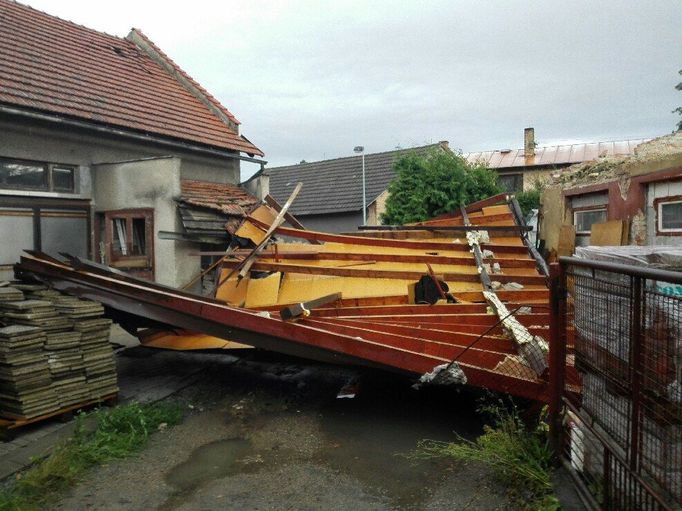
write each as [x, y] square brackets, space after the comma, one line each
[99, 136]
[520, 169]
[633, 200]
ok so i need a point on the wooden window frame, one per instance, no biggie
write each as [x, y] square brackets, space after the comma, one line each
[659, 217]
[144, 263]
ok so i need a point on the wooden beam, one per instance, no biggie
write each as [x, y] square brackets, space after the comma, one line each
[303, 309]
[213, 266]
[454, 228]
[270, 201]
[470, 208]
[337, 271]
[385, 257]
[245, 265]
[378, 242]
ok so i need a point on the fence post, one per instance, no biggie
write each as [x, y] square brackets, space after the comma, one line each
[636, 367]
[557, 353]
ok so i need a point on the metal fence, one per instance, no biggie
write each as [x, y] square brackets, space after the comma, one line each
[620, 327]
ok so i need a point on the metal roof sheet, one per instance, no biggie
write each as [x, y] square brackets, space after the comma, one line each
[567, 154]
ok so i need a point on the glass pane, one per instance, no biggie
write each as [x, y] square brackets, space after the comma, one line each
[671, 215]
[22, 175]
[64, 231]
[62, 179]
[139, 246]
[119, 246]
[511, 182]
[585, 219]
[16, 226]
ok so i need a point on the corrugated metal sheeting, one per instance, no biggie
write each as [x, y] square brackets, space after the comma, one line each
[555, 155]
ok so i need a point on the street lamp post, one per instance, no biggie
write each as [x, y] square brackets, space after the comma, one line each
[361, 149]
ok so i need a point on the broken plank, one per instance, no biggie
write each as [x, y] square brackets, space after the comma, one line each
[270, 201]
[303, 309]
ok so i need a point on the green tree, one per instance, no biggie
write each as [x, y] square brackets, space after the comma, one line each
[678, 110]
[530, 199]
[432, 183]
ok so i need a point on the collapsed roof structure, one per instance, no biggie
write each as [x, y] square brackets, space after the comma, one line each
[461, 298]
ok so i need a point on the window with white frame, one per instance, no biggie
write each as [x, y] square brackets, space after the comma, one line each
[670, 216]
[583, 219]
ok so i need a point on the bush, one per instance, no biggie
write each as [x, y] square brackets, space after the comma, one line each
[530, 199]
[520, 457]
[433, 183]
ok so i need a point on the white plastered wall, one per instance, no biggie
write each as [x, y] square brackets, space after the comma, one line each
[150, 183]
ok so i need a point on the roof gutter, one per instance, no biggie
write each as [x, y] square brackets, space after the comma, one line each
[128, 134]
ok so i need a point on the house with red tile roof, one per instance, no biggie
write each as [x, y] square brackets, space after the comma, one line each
[103, 140]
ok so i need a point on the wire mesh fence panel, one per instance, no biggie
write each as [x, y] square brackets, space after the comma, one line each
[623, 432]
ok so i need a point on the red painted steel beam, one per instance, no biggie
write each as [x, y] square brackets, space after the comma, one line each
[403, 353]
[405, 310]
[380, 242]
[473, 356]
[500, 198]
[226, 322]
[391, 258]
[492, 342]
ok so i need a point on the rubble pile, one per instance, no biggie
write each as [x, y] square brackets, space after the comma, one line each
[54, 351]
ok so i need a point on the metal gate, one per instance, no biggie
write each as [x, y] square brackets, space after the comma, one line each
[621, 437]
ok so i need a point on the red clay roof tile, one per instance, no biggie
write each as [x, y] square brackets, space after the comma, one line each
[52, 65]
[226, 198]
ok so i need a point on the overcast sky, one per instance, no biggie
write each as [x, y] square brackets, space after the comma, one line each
[312, 79]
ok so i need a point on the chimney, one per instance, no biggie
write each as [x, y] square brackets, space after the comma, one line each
[529, 142]
[444, 144]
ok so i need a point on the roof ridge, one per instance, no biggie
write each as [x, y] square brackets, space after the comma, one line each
[641, 139]
[209, 98]
[164, 103]
[436, 144]
[63, 20]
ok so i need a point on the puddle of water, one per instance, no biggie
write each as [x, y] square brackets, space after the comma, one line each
[367, 435]
[208, 462]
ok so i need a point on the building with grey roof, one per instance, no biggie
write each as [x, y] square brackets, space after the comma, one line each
[331, 197]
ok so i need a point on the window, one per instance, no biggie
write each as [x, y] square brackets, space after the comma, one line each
[584, 219]
[31, 175]
[126, 240]
[62, 179]
[670, 216]
[511, 182]
[23, 174]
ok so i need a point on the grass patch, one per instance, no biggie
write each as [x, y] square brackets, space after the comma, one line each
[103, 435]
[520, 457]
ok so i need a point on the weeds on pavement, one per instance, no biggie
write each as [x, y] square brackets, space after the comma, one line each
[520, 456]
[105, 434]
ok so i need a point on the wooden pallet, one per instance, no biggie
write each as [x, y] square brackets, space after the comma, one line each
[8, 423]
